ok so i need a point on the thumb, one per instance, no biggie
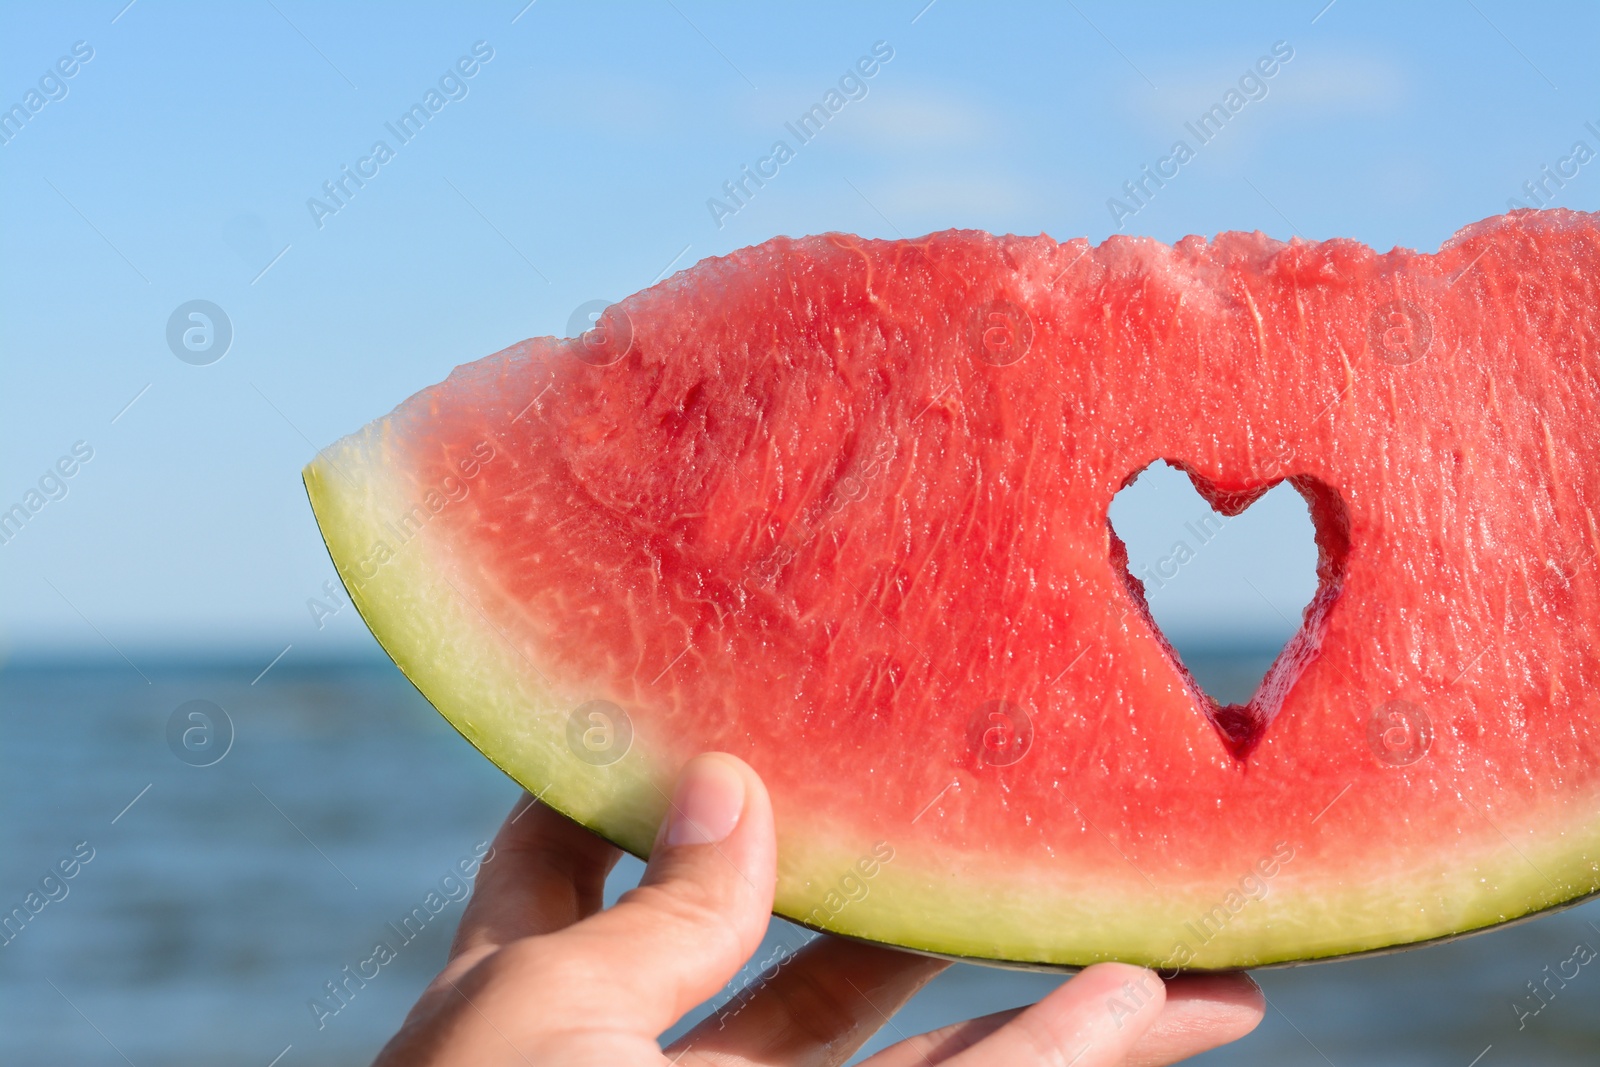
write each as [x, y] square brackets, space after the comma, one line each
[704, 902]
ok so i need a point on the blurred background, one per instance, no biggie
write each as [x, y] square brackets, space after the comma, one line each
[194, 296]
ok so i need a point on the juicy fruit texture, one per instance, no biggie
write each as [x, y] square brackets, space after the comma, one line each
[839, 506]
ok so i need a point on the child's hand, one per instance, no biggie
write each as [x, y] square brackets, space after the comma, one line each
[539, 975]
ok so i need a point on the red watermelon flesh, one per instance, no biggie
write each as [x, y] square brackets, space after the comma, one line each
[839, 506]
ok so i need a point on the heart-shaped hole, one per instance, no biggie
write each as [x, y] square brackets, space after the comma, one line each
[1239, 599]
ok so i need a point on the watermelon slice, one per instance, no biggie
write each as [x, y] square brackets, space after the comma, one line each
[839, 506]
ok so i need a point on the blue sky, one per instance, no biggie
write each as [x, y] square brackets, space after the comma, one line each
[576, 164]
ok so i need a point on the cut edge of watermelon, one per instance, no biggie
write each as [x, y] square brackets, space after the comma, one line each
[450, 652]
[1242, 726]
[925, 900]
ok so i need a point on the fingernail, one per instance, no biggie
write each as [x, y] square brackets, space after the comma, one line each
[706, 804]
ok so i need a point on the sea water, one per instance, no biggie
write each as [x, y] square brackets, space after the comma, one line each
[223, 896]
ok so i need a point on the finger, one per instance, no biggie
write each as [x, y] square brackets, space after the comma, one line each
[937, 1046]
[1095, 1020]
[1202, 1011]
[697, 915]
[543, 873]
[812, 1009]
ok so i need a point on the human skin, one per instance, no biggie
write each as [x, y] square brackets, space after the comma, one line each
[540, 975]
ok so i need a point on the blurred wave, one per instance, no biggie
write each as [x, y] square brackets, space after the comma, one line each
[219, 903]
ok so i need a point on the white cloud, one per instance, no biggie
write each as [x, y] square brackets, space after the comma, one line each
[892, 117]
[1309, 85]
[1344, 84]
[905, 120]
[962, 197]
